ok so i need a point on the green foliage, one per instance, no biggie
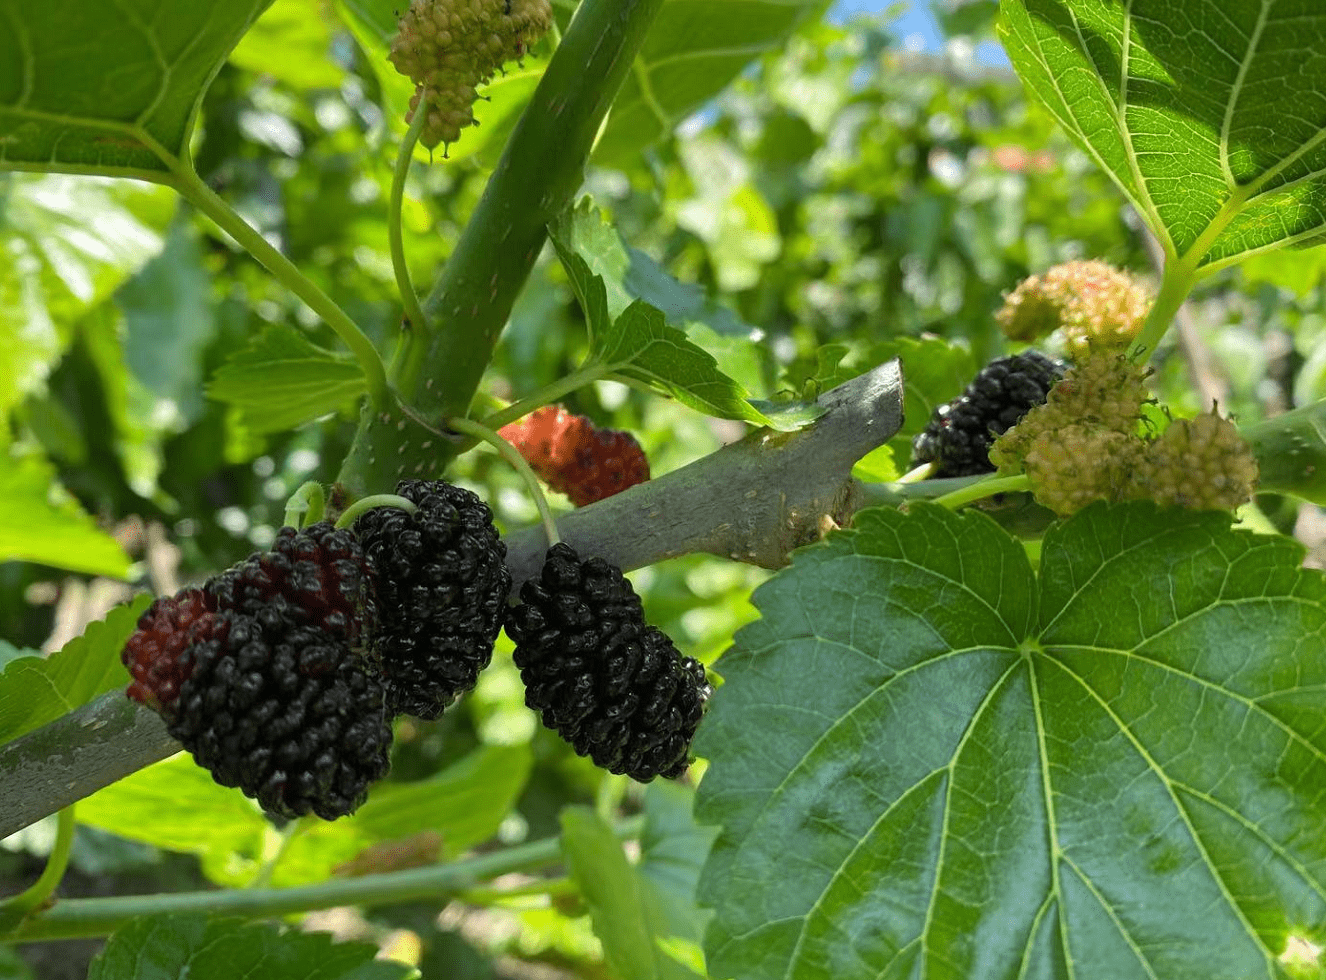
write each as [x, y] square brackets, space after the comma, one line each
[172, 947]
[937, 749]
[638, 343]
[43, 524]
[59, 113]
[36, 690]
[56, 267]
[1214, 133]
[282, 380]
[999, 772]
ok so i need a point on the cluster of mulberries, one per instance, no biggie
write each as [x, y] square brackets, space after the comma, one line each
[958, 437]
[282, 674]
[575, 457]
[448, 48]
[1088, 442]
[1098, 307]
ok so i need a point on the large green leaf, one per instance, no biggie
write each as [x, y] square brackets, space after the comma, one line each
[928, 763]
[36, 690]
[282, 380]
[41, 523]
[1209, 114]
[201, 947]
[695, 48]
[109, 88]
[65, 244]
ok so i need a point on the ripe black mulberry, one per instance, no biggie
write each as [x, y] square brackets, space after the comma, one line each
[958, 437]
[442, 585]
[613, 686]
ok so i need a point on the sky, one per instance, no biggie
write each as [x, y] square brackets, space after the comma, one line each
[915, 26]
[916, 21]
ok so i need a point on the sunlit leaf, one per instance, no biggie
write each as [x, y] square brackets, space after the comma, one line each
[694, 49]
[65, 244]
[1116, 768]
[463, 805]
[628, 921]
[123, 101]
[36, 690]
[41, 523]
[1209, 114]
[177, 805]
[282, 380]
[291, 42]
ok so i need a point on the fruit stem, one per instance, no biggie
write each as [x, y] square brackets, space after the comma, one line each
[206, 200]
[284, 839]
[1175, 284]
[306, 505]
[509, 453]
[984, 488]
[416, 325]
[14, 910]
[74, 918]
[587, 373]
[916, 475]
[365, 504]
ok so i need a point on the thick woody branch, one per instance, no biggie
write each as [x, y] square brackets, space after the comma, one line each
[753, 501]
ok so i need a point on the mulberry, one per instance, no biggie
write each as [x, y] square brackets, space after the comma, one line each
[958, 437]
[1097, 306]
[605, 680]
[259, 674]
[290, 716]
[450, 47]
[316, 577]
[442, 586]
[1200, 463]
[575, 457]
[1104, 391]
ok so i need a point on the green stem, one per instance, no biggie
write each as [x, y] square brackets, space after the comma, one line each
[541, 170]
[984, 488]
[1175, 285]
[495, 896]
[287, 837]
[306, 505]
[413, 313]
[287, 273]
[13, 910]
[365, 504]
[512, 456]
[73, 918]
[587, 373]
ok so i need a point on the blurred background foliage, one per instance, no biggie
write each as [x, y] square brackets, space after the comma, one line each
[847, 198]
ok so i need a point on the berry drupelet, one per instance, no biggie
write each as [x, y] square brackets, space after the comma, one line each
[605, 680]
[442, 584]
[958, 437]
